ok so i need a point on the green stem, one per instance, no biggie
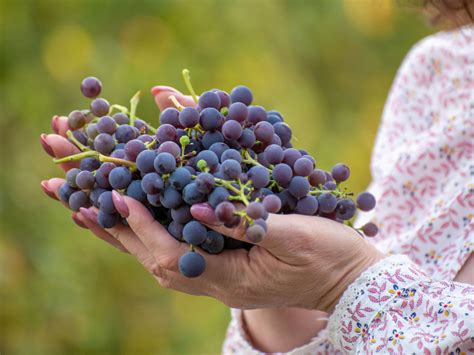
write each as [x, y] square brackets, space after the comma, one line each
[78, 144]
[175, 102]
[249, 160]
[75, 157]
[240, 193]
[133, 107]
[120, 108]
[105, 158]
[187, 81]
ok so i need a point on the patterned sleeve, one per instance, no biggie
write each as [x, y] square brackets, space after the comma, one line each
[395, 308]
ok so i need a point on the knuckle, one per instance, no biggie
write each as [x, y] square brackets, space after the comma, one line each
[156, 270]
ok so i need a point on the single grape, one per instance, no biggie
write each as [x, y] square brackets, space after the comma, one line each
[120, 177]
[308, 205]
[272, 203]
[255, 233]
[194, 233]
[192, 195]
[85, 180]
[100, 107]
[192, 264]
[210, 138]
[106, 124]
[365, 201]
[80, 136]
[247, 138]
[79, 199]
[327, 202]
[231, 169]
[166, 132]
[91, 130]
[180, 178]
[232, 130]
[125, 133]
[164, 163]
[273, 154]
[231, 154]
[218, 195]
[135, 191]
[181, 214]
[189, 117]
[370, 229]
[118, 153]
[255, 210]
[121, 118]
[104, 143]
[241, 94]
[71, 176]
[76, 120]
[303, 166]
[237, 112]
[107, 220]
[283, 131]
[209, 99]
[330, 185]
[152, 183]
[282, 174]
[91, 87]
[290, 156]
[106, 203]
[210, 158]
[340, 172]
[317, 177]
[264, 131]
[65, 191]
[345, 209]
[259, 176]
[170, 198]
[299, 186]
[205, 183]
[225, 211]
[214, 242]
[272, 118]
[210, 119]
[219, 148]
[176, 230]
[170, 116]
[145, 161]
[133, 148]
[90, 164]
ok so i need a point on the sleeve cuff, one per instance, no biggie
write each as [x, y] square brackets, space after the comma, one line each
[365, 299]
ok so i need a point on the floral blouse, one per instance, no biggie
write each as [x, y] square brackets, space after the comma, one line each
[423, 169]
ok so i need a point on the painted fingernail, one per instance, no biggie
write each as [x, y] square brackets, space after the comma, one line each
[54, 124]
[120, 204]
[204, 213]
[159, 89]
[47, 190]
[89, 214]
[76, 220]
[46, 146]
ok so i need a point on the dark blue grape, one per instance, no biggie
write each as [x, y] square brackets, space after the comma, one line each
[210, 119]
[152, 183]
[164, 163]
[273, 154]
[327, 202]
[365, 201]
[189, 117]
[299, 186]
[180, 178]
[210, 138]
[192, 264]
[247, 138]
[308, 205]
[90, 164]
[345, 209]
[85, 180]
[340, 172]
[214, 242]
[192, 195]
[170, 198]
[210, 158]
[231, 154]
[241, 94]
[259, 176]
[218, 195]
[283, 131]
[181, 214]
[78, 199]
[120, 177]
[219, 148]
[125, 133]
[107, 220]
[170, 116]
[145, 161]
[209, 99]
[176, 230]
[95, 194]
[194, 233]
[231, 169]
[135, 191]
[104, 143]
[71, 176]
[65, 191]
[106, 203]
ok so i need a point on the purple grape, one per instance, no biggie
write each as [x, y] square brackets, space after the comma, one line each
[209, 99]
[237, 112]
[232, 130]
[181, 214]
[370, 229]
[231, 154]
[169, 147]
[211, 138]
[189, 117]
[125, 133]
[121, 118]
[76, 120]
[210, 158]
[170, 116]
[282, 174]
[214, 242]
[299, 186]
[192, 264]
[223, 96]
[104, 143]
[272, 203]
[255, 210]
[152, 183]
[255, 233]
[192, 195]
[91, 130]
[330, 185]
[120, 177]
[90, 164]
[176, 230]
[290, 156]
[345, 209]
[102, 175]
[78, 199]
[145, 161]
[210, 119]
[317, 177]
[308, 205]
[247, 138]
[71, 176]
[85, 180]
[303, 166]
[340, 172]
[100, 107]
[264, 131]
[231, 169]
[218, 195]
[205, 183]
[327, 202]
[241, 94]
[283, 131]
[133, 148]
[107, 220]
[259, 176]
[91, 87]
[273, 154]
[225, 211]
[170, 198]
[164, 163]
[166, 132]
[180, 178]
[65, 191]
[365, 201]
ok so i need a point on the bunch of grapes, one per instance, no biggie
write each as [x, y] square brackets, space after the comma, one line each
[236, 156]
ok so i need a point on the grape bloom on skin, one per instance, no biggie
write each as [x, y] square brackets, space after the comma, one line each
[222, 151]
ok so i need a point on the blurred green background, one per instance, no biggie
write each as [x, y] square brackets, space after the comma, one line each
[326, 65]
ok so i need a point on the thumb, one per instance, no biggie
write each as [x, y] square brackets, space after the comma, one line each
[162, 94]
[275, 240]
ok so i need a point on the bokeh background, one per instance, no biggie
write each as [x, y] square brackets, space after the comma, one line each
[327, 65]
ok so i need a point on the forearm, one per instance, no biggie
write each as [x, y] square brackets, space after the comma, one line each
[281, 330]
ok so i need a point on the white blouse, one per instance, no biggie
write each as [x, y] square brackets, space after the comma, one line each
[423, 179]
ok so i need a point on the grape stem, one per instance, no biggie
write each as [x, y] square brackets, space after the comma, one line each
[120, 108]
[187, 81]
[249, 160]
[133, 106]
[175, 101]
[240, 192]
[95, 154]
[78, 144]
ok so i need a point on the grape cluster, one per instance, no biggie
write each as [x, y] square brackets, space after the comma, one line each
[222, 151]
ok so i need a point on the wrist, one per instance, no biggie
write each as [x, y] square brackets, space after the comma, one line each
[349, 273]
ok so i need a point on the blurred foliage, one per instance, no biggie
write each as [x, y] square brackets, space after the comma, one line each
[326, 65]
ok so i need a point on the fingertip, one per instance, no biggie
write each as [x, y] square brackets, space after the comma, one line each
[205, 213]
[156, 90]
[76, 217]
[47, 190]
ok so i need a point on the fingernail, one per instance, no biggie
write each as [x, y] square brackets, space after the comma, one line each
[89, 214]
[204, 213]
[159, 89]
[120, 204]
[47, 190]
[76, 220]
[46, 146]
[54, 124]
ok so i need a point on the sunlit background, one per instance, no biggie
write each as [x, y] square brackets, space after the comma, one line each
[326, 65]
